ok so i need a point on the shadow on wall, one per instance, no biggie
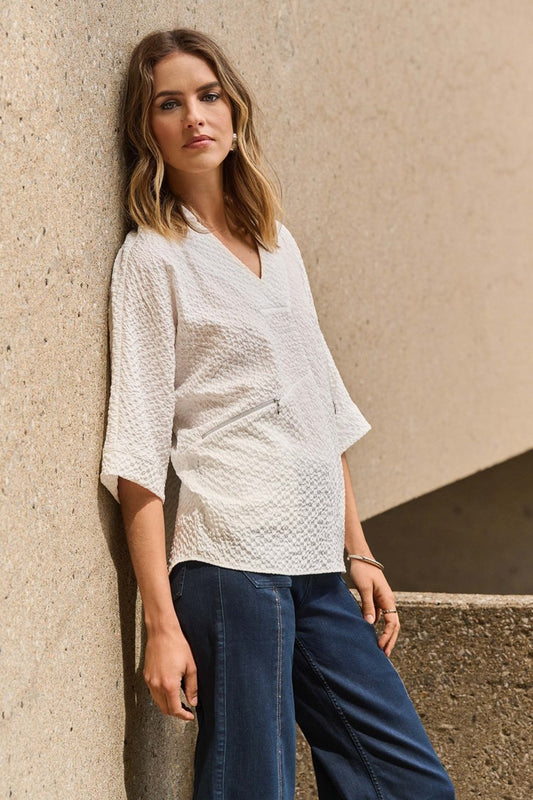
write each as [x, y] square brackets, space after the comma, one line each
[472, 536]
[158, 750]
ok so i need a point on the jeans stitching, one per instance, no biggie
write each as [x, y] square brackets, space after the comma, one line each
[280, 644]
[183, 579]
[222, 767]
[349, 729]
[266, 580]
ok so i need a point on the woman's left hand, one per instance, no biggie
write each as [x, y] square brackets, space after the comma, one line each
[376, 595]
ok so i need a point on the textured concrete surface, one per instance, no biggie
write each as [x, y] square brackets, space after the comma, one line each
[471, 536]
[401, 133]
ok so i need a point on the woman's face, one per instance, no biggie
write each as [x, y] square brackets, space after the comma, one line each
[188, 103]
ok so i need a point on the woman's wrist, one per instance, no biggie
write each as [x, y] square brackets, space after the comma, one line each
[355, 542]
[364, 559]
[162, 623]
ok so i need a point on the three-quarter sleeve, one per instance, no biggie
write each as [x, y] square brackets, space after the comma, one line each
[350, 423]
[142, 332]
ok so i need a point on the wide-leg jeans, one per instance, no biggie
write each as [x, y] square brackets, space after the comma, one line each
[273, 650]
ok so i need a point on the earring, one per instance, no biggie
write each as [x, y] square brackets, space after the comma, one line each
[234, 142]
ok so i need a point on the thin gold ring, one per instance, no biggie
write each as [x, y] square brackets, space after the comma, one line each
[389, 611]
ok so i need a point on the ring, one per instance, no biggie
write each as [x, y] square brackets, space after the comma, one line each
[388, 611]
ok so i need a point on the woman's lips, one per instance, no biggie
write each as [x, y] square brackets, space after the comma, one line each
[199, 144]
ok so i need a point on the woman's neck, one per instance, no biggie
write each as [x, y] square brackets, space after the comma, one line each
[204, 195]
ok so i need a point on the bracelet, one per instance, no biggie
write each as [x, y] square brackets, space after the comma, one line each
[368, 561]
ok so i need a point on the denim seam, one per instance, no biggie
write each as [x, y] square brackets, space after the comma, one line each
[278, 710]
[222, 765]
[349, 729]
[183, 578]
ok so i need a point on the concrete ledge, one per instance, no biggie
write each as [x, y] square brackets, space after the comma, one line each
[466, 661]
[463, 601]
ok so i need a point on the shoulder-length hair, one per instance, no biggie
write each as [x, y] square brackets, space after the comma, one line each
[251, 198]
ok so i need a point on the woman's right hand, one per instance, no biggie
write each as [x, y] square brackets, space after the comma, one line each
[167, 660]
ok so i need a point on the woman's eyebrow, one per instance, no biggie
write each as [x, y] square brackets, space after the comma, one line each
[167, 92]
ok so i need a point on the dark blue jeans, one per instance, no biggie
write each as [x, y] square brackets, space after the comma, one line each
[273, 650]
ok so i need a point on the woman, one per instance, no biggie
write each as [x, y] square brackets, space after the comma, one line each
[218, 361]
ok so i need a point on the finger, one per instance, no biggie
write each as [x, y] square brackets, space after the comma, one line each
[190, 686]
[393, 639]
[175, 706]
[159, 699]
[385, 643]
[390, 634]
[389, 647]
[367, 599]
[167, 698]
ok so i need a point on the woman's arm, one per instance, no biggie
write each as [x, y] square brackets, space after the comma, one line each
[168, 657]
[369, 580]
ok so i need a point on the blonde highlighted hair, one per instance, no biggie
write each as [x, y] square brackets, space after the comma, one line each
[252, 198]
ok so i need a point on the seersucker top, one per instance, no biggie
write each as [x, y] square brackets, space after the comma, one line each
[229, 376]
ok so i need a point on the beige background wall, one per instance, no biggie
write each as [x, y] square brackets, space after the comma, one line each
[401, 133]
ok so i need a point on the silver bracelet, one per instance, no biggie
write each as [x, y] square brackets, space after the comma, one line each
[368, 560]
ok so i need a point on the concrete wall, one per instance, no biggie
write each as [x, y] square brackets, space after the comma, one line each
[401, 133]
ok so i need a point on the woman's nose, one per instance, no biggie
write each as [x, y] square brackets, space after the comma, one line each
[193, 115]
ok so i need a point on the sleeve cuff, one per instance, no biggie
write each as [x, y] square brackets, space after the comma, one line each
[117, 463]
[351, 425]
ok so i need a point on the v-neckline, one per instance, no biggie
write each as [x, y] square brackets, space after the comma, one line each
[260, 278]
[236, 259]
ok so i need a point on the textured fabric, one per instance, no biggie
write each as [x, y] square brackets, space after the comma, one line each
[229, 375]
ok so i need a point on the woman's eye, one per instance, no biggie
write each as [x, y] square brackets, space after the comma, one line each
[168, 105]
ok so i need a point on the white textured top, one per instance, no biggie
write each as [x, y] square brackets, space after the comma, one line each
[228, 375]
